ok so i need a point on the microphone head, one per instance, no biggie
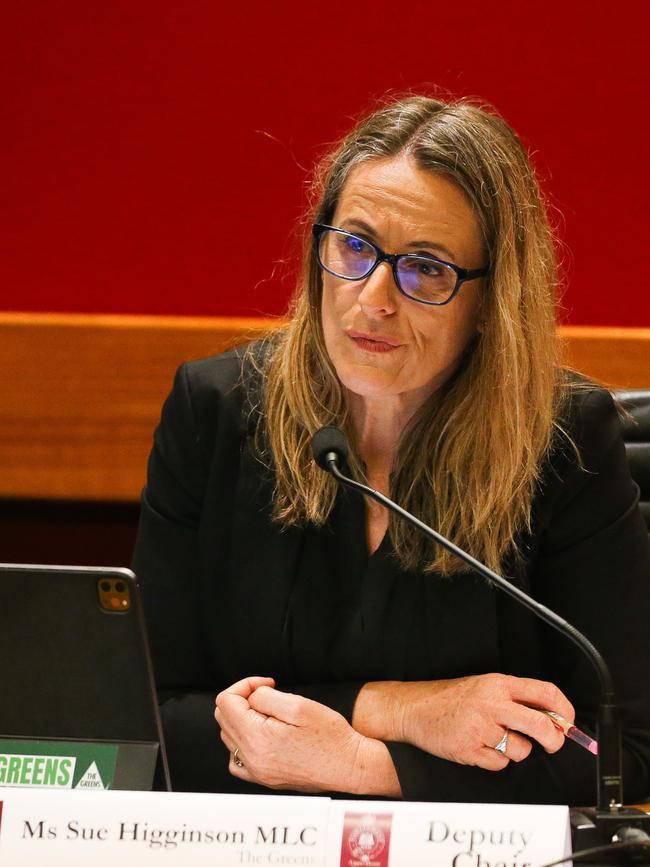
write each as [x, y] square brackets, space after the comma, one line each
[327, 441]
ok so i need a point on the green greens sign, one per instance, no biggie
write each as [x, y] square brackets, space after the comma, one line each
[57, 764]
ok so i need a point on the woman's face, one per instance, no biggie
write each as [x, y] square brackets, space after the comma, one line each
[381, 343]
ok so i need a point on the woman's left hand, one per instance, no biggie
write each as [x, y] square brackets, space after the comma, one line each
[285, 741]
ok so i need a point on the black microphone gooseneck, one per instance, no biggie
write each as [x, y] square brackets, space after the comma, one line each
[330, 449]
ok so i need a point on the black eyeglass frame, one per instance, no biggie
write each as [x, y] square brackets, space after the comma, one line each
[462, 274]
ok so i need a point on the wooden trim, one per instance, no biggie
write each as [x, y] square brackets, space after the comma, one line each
[81, 394]
[80, 397]
[616, 357]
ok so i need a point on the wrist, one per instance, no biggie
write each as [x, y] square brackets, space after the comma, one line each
[400, 713]
[375, 773]
[378, 711]
[416, 710]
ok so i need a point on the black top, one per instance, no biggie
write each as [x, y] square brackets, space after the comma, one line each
[229, 594]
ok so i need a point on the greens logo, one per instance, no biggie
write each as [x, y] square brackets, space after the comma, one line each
[57, 764]
[92, 779]
[48, 772]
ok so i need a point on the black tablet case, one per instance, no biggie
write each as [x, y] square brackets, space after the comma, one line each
[72, 671]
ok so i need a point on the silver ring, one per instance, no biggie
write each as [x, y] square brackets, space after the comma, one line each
[502, 746]
[236, 759]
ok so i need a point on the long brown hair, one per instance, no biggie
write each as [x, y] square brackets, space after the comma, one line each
[469, 461]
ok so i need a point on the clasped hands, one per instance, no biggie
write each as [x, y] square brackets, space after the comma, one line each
[285, 741]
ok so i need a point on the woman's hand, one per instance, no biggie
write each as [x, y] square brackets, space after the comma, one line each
[285, 741]
[462, 720]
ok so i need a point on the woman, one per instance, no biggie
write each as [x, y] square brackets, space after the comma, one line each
[346, 653]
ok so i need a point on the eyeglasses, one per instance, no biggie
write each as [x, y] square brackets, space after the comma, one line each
[426, 279]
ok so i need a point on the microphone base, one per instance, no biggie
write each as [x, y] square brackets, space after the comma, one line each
[591, 827]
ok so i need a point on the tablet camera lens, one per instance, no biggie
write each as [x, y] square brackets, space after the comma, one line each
[114, 595]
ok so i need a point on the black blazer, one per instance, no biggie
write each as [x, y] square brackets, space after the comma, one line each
[221, 583]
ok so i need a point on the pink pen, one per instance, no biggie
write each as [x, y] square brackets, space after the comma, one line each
[571, 731]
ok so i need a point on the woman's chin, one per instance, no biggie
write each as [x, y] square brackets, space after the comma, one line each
[367, 381]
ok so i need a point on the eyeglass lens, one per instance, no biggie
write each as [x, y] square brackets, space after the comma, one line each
[353, 258]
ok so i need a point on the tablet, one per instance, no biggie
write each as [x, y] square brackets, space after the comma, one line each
[78, 706]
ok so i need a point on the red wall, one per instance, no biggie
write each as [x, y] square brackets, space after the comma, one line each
[152, 153]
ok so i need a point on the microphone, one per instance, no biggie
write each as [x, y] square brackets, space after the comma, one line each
[330, 450]
[329, 446]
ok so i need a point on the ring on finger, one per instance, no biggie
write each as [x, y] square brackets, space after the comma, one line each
[502, 746]
[236, 759]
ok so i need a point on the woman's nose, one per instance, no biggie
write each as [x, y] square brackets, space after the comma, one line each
[378, 292]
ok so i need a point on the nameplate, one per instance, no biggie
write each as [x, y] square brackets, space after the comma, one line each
[107, 828]
[379, 834]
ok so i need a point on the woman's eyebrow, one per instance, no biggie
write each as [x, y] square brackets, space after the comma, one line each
[415, 245]
[359, 224]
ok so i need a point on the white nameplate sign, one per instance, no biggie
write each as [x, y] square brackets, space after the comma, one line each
[108, 828]
[128, 828]
[386, 834]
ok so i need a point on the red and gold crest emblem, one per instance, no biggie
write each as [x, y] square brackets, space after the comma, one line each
[366, 839]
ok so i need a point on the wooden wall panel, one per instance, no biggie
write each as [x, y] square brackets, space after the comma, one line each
[617, 357]
[80, 395]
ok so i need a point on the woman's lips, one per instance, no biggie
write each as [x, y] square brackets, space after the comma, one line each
[374, 342]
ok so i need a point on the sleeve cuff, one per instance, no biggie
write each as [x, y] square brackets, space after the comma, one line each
[424, 777]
